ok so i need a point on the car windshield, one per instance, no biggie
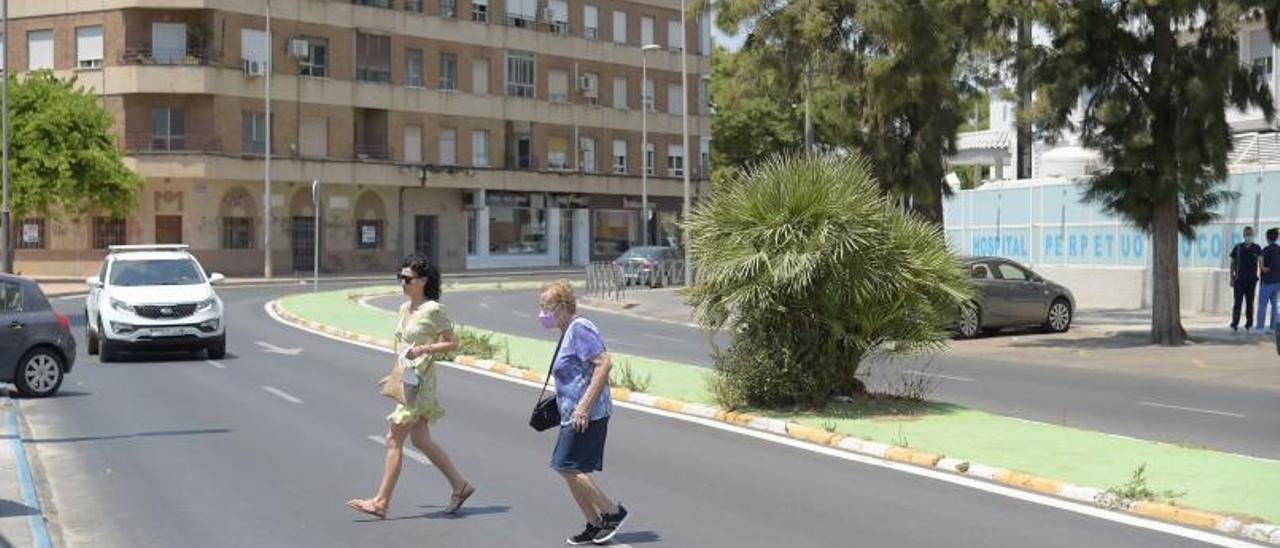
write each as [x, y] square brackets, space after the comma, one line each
[155, 272]
[642, 253]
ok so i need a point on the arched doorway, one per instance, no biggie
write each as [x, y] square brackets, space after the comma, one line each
[303, 238]
[236, 214]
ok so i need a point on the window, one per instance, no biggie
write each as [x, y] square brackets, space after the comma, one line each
[980, 272]
[107, 232]
[413, 6]
[374, 3]
[413, 68]
[316, 63]
[587, 154]
[253, 46]
[32, 235]
[675, 160]
[704, 34]
[558, 153]
[448, 8]
[522, 13]
[480, 76]
[448, 71]
[520, 74]
[613, 231]
[39, 49]
[480, 11]
[704, 156]
[168, 129]
[89, 47]
[1012, 273]
[448, 147]
[590, 86]
[1260, 51]
[649, 158]
[237, 233]
[620, 93]
[140, 273]
[559, 16]
[10, 297]
[168, 42]
[558, 86]
[620, 27]
[675, 35]
[413, 144]
[315, 137]
[368, 234]
[591, 22]
[646, 31]
[675, 99]
[255, 132]
[619, 156]
[517, 223]
[480, 148]
[649, 99]
[524, 152]
[373, 58]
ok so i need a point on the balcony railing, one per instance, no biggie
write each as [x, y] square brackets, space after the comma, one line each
[187, 142]
[147, 55]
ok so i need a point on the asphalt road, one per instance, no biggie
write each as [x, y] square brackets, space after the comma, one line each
[1227, 418]
[262, 449]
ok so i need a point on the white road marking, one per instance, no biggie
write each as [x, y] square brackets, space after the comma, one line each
[939, 475]
[212, 363]
[273, 349]
[1191, 409]
[662, 338]
[281, 394]
[521, 314]
[940, 376]
[482, 303]
[408, 453]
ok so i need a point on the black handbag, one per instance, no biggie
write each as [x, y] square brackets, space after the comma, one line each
[546, 413]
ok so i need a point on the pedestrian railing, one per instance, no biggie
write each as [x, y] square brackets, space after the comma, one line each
[610, 281]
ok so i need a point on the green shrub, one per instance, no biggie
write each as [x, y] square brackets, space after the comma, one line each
[473, 343]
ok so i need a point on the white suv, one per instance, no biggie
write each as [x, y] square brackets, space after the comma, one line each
[153, 297]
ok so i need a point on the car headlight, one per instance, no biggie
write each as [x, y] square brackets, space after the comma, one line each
[206, 305]
[121, 305]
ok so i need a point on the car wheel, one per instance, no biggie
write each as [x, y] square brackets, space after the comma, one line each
[970, 322]
[91, 341]
[40, 373]
[218, 349]
[1059, 318]
[107, 351]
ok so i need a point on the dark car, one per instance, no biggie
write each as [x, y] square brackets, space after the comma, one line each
[36, 346]
[1011, 295]
[653, 266]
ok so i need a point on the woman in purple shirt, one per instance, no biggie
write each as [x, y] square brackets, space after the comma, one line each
[581, 371]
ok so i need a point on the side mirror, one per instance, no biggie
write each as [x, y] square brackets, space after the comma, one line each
[94, 282]
[217, 278]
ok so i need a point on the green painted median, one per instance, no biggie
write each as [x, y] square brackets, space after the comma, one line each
[1211, 480]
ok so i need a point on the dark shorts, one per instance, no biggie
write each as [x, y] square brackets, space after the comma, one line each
[581, 451]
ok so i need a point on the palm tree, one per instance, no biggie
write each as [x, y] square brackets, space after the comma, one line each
[813, 269]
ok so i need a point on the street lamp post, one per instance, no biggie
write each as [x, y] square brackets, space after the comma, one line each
[315, 258]
[684, 120]
[644, 140]
[5, 221]
[267, 270]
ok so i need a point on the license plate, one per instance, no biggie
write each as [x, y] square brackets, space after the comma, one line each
[167, 332]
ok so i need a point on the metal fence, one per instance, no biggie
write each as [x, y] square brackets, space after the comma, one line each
[610, 281]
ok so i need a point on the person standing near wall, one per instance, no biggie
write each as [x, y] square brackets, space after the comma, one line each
[1269, 291]
[1244, 279]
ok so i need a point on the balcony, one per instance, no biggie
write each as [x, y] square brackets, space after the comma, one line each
[184, 143]
[368, 151]
[145, 55]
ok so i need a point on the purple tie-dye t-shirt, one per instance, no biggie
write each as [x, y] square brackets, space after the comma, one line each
[573, 369]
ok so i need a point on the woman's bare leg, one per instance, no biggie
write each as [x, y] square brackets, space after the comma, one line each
[581, 492]
[422, 440]
[390, 474]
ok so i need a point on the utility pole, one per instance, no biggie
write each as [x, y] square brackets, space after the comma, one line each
[645, 100]
[684, 120]
[808, 115]
[6, 224]
[267, 270]
[1022, 67]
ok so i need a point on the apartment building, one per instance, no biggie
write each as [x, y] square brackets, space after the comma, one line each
[483, 133]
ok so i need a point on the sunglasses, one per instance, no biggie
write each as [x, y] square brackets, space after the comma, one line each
[406, 279]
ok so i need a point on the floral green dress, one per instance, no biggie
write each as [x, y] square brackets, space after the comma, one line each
[423, 326]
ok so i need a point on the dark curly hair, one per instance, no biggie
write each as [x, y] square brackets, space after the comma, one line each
[423, 268]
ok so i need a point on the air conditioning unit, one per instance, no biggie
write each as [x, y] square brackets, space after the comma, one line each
[299, 49]
[254, 68]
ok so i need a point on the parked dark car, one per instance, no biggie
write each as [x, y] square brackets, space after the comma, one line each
[37, 349]
[1011, 295]
[653, 266]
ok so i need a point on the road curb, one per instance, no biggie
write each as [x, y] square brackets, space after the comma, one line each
[1262, 532]
[26, 479]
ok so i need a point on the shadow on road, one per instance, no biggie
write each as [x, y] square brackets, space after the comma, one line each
[160, 433]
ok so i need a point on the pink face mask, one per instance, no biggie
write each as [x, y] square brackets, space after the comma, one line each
[548, 320]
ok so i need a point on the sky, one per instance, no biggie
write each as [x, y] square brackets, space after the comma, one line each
[726, 41]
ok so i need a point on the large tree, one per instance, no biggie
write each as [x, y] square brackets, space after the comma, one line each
[1162, 75]
[755, 110]
[63, 158]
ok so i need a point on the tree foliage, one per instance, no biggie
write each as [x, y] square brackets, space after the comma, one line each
[812, 268]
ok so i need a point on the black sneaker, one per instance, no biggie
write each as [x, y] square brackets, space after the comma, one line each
[612, 522]
[587, 536]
